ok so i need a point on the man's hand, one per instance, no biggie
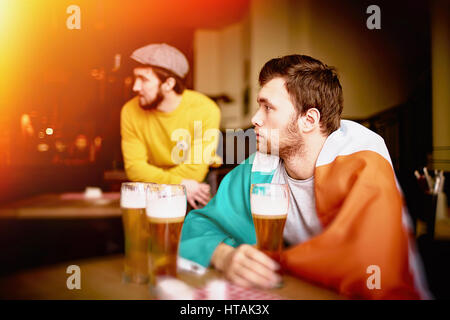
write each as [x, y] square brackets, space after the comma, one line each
[196, 191]
[246, 266]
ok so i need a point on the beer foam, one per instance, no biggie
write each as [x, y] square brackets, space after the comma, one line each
[268, 206]
[132, 199]
[170, 207]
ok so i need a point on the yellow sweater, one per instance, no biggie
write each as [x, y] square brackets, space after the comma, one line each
[167, 147]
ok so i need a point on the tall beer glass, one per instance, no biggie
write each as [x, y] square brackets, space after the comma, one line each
[269, 205]
[166, 209]
[132, 202]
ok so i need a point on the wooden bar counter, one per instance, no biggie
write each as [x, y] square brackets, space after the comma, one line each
[101, 279]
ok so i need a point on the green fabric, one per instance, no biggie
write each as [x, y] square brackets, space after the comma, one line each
[226, 218]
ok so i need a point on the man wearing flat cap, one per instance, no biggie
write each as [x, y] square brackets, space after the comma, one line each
[169, 133]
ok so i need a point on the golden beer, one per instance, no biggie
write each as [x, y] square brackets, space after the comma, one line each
[164, 239]
[136, 245]
[166, 208]
[269, 205]
[132, 202]
[269, 232]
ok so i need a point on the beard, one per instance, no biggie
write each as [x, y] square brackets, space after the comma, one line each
[285, 142]
[154, 104]
[293, 142]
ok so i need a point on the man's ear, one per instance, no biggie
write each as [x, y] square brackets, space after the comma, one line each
[310, 120]
[169, 84]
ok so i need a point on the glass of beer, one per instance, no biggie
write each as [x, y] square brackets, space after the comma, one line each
[269, 204]
[166, 209]
[132, 203]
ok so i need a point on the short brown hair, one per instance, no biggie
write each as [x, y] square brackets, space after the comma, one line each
[164, 74]
[311, 84]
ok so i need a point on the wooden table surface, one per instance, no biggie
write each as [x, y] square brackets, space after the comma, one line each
[62, 206]
[101, 279]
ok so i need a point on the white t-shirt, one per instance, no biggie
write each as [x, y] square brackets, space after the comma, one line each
[302, 222]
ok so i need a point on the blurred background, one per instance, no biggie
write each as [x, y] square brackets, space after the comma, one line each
[61, 92]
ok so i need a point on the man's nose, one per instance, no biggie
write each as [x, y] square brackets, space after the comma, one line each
[136, 86]
[257, 119]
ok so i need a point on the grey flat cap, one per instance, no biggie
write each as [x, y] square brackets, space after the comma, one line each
[164, 56]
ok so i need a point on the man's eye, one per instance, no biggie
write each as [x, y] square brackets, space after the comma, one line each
[268, 108]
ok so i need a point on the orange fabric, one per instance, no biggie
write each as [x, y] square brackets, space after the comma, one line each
[360, 208]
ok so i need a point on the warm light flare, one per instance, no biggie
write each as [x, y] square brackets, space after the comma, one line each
[5, 14]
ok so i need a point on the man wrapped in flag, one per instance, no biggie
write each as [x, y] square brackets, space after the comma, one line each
[346, 218]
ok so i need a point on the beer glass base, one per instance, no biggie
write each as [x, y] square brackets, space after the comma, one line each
[152, 289]
[134, 278]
